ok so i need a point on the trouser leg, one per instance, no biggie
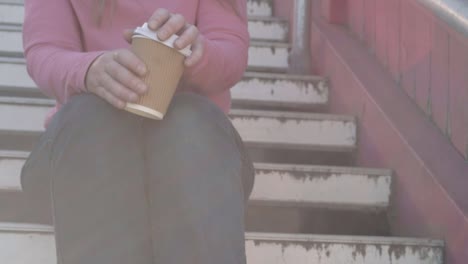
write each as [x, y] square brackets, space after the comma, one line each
[96, 171]
[199, 178]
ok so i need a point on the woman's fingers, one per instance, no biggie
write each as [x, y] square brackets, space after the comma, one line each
[174, 24]
[127, 34]
[130, 61]
[114, 76]
[188, 37]
[124, 76]
[111, 99]
[117, 89]
[197, 52]
[158, 18]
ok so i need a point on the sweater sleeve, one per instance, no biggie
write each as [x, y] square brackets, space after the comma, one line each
[53, 50]
[226, 40]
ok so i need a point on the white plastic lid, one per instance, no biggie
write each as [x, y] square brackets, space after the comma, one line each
[145, 31]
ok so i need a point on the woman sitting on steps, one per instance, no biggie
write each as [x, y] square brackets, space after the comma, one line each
[125, 189]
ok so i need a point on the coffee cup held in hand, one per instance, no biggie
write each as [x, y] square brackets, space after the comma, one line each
[165, 66]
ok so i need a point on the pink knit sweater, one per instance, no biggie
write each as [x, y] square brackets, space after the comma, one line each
[62, 38]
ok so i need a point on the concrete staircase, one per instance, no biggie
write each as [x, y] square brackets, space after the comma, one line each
[301, 183]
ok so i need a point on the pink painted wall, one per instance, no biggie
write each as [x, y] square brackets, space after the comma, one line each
[424, 56]
[283, 8]
[394, 71]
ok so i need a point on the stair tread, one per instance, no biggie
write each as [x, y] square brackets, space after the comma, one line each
[261, 248]
[29, 242]
[5, 154]
[267, 19]
[247, 112]
[286, 76]
[291, 115]
[408, 241]
[269, 44]
[258, 251]
[320, 168]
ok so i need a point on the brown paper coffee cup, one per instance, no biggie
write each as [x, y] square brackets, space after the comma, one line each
[165, 66]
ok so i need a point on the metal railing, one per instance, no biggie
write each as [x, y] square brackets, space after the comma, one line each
[300, 38]
[453, 12]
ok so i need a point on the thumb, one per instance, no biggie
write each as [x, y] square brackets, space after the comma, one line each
[127, 34]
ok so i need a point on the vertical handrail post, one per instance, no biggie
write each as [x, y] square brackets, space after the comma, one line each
[299, 61]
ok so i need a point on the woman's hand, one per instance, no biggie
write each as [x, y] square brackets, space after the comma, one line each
[116, 76]
[167, 24]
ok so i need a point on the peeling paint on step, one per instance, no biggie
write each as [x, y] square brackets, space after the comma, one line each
[260, 8]
[271, 30]
[281, 91]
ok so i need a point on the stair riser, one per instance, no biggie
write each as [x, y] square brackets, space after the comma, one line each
[40, 248]
[11, 14]
[329, 190]
[11, 43]
[10, 171]
[280, 92]
[260, 8]
[323, 132]
[15, 75]
[269, 58]
[332, 135]
[268, 30]
[23, 118]
[264, 56]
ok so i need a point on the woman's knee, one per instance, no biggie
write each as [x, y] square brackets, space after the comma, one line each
[88, 113]
[189, 108]
[199, 138]
[192, 118]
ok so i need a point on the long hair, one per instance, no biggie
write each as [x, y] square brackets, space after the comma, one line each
[100, 6]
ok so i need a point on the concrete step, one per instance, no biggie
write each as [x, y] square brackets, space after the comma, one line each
[269, 56]
[36, 244]
[11, 163]
[268, 29]
[11, 13]
[280, 90]
[11, 41]
[255, 89]
[322, 187]
[17, 2]
[14, 77]
[266, 129]
[278, 184]
[292, 130]
[259, 8]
